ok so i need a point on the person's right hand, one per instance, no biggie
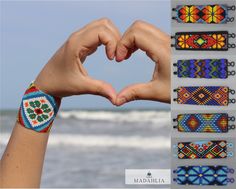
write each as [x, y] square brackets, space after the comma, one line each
[64, 74]
[156, 44]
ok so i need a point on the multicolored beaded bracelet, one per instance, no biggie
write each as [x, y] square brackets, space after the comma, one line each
[203, 175]
[204, 95]
[204, 68]
[210, 149]
[204, 122]
[38, 109]
[207, 41]
[203, 14]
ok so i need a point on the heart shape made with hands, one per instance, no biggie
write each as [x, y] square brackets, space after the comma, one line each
[124, 76]
[64, 75]
[149, 39]
[156, 44]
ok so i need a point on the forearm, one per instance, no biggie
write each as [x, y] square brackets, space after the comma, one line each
[64, 75]
[22, 162]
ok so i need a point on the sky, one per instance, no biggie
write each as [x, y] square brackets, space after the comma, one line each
[31, 31]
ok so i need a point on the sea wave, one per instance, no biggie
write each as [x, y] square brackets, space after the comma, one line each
[125, 116]
[137, 142]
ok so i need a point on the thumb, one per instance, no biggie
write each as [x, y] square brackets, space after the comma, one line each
[101, 88]
[140, 91]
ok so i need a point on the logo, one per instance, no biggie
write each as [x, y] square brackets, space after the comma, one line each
[145, 176]
[149, 175]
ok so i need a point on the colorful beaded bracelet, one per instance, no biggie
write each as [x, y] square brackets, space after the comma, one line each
[204, 95]
[204, 123]
[211, 149]
[203, 14]
[203, 175]
[207, 41]
[38, 109]
[204, 68]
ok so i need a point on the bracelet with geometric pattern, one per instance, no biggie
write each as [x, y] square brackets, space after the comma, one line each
[204, 41]
[38, 109]
[204, 95]
[203, 14]
[204, 122]
[204, 175]
[210, 149]
[204, 68]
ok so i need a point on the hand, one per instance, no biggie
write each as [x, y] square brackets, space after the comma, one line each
[156, 44]
[64, 74]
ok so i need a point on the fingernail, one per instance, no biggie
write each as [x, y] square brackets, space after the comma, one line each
[113, 56]
[121, 101]
[119, 57]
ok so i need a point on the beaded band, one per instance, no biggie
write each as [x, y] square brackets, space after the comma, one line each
[203, 14]
[38, 109]
[204, 68]
[204, 123]
[213, 149]
[204, 95]
[207, 41]
[203, 175]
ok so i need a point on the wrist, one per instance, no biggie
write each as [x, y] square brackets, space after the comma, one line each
[38, 109]
[44, 85]
[47, 81]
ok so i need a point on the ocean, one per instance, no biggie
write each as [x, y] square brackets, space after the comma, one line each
[92, 148]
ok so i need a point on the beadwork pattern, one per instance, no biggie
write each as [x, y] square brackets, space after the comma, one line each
[38, 109]
[210, 95]
[207, 14]
[203, 68]
[210, 123]
[213, 41]
[202, 175]
[202, 150]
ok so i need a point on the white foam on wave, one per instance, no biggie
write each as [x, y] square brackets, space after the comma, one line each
[126, 116]
[137, 142]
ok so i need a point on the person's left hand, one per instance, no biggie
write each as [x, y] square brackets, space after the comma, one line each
[64, 74]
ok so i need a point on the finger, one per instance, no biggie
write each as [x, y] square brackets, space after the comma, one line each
[101, 31]
[96, 36]
[108, 23]
[110, 41]
[114, 29]
[132, 40]
[134, 92]
[143, 36]
[101, 88]
[130, 52]
[154, 90]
